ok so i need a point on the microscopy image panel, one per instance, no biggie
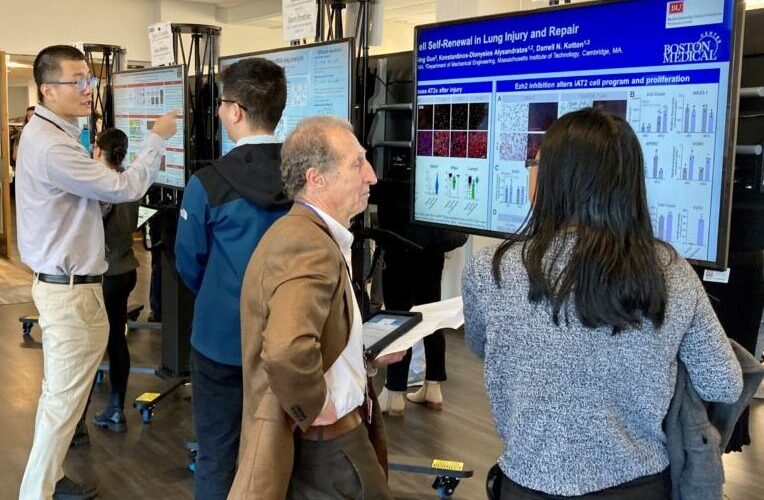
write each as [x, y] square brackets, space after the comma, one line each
[541, 115]
[534, 144]
[512, 116]
[479, 116]
[441, 143]
[616, 108]
[442, 116]
[424, 117]
[424, 143]
[459, 117]
[459, 144]
[513, 147]
[478, 145]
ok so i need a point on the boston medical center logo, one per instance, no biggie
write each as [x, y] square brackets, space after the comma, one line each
[705, 49]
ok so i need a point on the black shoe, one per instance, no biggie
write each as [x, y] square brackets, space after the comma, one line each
[112, 419]
[81, 435]
[66, 489]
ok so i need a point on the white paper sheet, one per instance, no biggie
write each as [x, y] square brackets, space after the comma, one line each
[436, 315]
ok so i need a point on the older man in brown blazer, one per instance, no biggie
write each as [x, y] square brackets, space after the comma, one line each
[306, 391]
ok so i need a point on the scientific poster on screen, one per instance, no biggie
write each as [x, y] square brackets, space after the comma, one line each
[318, 83]
[140, 97]
[488, 90]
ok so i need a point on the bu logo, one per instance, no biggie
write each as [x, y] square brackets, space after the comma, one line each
[676, 7]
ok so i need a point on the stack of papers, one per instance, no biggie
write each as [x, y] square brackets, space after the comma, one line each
[436, 315]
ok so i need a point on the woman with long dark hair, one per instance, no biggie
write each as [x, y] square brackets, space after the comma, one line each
[119, 224]
[581, 318]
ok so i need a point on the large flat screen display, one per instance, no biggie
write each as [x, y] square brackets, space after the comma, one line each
[140, 97]
[318, 83]
[488, 89]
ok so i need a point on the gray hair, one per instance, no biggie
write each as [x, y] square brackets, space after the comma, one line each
[308, 146]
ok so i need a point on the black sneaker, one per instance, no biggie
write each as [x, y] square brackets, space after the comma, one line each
[66, 489]
[112, 419]
[81, 436]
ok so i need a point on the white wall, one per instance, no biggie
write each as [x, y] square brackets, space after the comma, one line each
[29, 25]
[117, 22]
[235, 39]
[396, 37]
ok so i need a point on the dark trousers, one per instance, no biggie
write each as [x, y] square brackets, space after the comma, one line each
[216, 406]
[155, 233]
[116, 292]
[654, 487]
[409, 279]
[155, 286]
[342, 468]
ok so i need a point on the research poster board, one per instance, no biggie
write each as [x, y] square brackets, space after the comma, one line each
[140, 97]
[319, 82]
[488, 89]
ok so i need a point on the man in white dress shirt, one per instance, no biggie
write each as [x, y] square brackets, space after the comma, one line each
[61, 238]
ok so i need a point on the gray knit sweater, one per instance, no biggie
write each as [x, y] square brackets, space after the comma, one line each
[579, 409]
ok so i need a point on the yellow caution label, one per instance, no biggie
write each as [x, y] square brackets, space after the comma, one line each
[147, 397]
[447, 465]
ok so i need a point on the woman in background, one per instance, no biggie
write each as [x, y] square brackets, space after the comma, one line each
[581, 319]
[119, 222]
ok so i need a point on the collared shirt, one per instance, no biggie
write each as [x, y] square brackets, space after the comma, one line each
[58, 187]
[346, 378]
[256, 139]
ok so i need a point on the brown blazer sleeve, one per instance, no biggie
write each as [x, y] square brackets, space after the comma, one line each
[302, 278]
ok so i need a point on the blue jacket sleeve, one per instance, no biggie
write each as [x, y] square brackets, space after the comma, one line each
[192, 242]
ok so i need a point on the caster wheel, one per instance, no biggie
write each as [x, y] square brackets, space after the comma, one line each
[146, 415]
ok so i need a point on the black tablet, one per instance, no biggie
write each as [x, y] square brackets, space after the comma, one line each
[384, 328]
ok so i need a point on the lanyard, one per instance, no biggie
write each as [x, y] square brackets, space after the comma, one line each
[52, 123]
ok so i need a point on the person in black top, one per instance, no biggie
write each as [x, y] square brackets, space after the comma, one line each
[120, 221]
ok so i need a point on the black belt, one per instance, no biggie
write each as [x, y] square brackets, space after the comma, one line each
[63, 279]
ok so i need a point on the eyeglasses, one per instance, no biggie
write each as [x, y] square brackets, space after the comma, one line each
[219, 101]
[533, 162]
[81, 85]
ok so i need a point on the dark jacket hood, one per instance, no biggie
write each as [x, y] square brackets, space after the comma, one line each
[253, 170]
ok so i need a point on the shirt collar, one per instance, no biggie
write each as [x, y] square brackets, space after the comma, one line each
[340, 233]
[256, 139]
[72, 128]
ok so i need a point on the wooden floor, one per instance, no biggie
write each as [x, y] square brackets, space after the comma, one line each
[149, 461]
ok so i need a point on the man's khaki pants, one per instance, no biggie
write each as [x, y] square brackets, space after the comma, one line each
[75, 331]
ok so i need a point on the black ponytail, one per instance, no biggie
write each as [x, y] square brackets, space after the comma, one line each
[113, 142]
